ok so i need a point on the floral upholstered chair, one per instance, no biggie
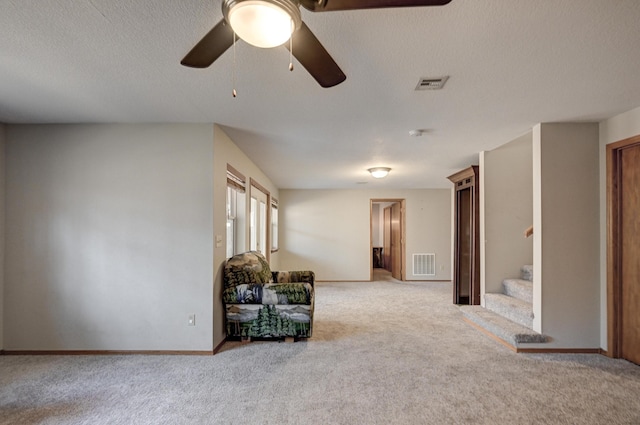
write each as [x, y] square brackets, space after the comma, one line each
[264, 304]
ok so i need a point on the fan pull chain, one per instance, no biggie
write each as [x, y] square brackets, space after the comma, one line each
[291, 48]
[233, 72]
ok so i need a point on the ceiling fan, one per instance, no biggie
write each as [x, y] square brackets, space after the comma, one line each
[270, 23]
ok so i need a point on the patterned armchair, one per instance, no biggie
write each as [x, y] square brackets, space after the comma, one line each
[264, 304]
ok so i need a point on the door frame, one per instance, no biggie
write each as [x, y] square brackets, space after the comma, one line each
[614, 283]
[403, 233]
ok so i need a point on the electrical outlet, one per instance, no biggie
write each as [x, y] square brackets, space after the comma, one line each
[192, 320]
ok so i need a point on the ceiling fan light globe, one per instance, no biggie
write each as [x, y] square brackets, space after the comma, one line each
[261, 23]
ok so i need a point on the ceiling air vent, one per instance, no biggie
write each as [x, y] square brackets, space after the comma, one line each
[431, 83]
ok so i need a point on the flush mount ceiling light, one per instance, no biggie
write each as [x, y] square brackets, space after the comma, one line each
[379, 172]
[262, 23]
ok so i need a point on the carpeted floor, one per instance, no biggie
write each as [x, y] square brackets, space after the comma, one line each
[384, 352]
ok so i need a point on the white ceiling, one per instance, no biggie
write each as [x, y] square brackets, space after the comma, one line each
[511, 64]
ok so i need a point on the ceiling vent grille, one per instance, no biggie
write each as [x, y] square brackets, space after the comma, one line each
[435, 83]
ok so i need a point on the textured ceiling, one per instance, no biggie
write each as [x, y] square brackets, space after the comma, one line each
[511, 64]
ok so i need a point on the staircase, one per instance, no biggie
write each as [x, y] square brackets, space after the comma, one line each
[509, 315]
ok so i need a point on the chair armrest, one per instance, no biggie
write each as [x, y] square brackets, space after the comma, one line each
[296, 276]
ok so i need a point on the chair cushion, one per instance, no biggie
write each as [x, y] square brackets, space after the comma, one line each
[270, 294]
[294, 276]
[247, 268]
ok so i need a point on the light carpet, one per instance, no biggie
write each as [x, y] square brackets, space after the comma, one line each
[383, 352]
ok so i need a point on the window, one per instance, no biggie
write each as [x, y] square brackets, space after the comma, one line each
[274, 225]
[259, 224]
[236, 210]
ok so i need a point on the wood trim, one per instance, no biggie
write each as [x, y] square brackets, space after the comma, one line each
[612, 253]
[261, 188]
[559, 350]
[341, 280]
[403, 234]
[490, 335]
[464, 174]
[403, 242]
[236, 173]
[236, 180]
[467, 179]
[106, 352]
[613, 243]
[219, 346]
[371, 238]
[519, 350]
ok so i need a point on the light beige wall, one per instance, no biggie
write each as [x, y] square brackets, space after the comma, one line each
[328, 231]
[612, 130]
[2, 195]
[566, 238]
[225, 151]
[109, 229]
[506, 210]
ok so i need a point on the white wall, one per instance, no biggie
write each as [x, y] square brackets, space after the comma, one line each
[110, 233]
[506, 210]
[226, 152]
[612, 130]
[566, 240]
[328, 231]
[2, 184]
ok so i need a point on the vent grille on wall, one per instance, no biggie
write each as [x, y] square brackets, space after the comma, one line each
[424, 264]
[431, 83]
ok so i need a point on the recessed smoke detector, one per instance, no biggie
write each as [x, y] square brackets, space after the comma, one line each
[434, 83]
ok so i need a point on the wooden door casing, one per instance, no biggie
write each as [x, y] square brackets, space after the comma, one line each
[630, 253]
[396, 241]
[466, 270]
[623, 249]
[386, 249]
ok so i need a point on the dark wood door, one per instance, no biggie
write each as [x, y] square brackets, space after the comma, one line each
[630, 253]
[464, 267]
[466, 255]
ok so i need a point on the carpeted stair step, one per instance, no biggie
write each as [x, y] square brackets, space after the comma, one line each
[526, 273]
[518, 288]
[505, 329]
[511, 308]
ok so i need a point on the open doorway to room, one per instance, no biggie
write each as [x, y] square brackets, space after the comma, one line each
[387, 241]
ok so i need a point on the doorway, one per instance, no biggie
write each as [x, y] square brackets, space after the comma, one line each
[623, 249]
[387, 240]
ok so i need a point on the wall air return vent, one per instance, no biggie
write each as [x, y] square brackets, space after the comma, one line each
[435, 83]
[424, 264]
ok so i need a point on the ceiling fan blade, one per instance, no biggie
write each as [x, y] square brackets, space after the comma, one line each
[330, 5]
[315, 58]
[212, 45]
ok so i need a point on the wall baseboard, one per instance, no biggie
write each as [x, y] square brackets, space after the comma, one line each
[534, 350]
[559, 350]
[219, 346]
[105, 352]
